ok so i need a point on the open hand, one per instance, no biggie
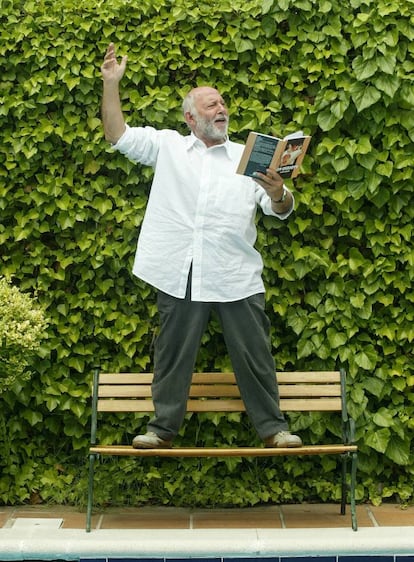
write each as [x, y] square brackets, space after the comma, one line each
[112, 71]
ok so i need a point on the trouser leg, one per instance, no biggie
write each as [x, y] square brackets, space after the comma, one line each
[182, 324]
[246, 330]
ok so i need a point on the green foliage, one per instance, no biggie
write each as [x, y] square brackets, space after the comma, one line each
[339, 273]
[22, 328]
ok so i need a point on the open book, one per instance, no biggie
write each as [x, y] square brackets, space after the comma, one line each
[264, 151]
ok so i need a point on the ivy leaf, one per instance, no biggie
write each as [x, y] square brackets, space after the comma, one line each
[364, 68]
[378, 440]
[383, 418]
[327, 120]
[243, 45]
[407, 95]
[374, 386]
[340, 164]
[385, 169]
[305, 348]
[336, 339]
[267, 5]
[102, 205]
[33, 417]
[364, 96]
[398, 451]
[356, 259]
[366, 360]
[387, 63]
[338, 108]
[388, 84]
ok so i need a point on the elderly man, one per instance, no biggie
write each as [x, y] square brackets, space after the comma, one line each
[196, 247]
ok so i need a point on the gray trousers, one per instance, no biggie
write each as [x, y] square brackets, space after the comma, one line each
[245, 328]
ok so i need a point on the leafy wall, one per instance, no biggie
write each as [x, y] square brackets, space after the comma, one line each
[339, 273]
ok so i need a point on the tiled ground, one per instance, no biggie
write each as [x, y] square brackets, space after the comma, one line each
[285, 516]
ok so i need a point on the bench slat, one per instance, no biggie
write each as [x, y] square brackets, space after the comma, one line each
[213, 405]
[124, 391]
[201, 390]
[305, 390]
[214, 378]
[322, 377]
[293, 405]
[125, 378]
[128, 450]
[109, 405]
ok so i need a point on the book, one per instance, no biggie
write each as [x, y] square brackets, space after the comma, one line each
[264, 151]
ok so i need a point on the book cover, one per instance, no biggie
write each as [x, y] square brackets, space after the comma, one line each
[264, 151]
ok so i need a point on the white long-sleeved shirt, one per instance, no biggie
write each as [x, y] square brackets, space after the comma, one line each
[199, 213]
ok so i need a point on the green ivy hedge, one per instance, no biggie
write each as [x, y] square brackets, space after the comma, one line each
[339, 273]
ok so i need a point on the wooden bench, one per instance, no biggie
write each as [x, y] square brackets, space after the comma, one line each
[322, 391]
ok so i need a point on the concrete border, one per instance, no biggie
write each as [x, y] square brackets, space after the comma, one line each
[45, 543]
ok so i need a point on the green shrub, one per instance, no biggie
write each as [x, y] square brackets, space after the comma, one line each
[22, 329]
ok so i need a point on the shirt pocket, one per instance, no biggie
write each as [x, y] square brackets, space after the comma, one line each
[235, 198]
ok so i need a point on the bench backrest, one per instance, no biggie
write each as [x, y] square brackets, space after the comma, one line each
[218, 392]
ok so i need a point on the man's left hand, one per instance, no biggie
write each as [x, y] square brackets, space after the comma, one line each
[271, 182]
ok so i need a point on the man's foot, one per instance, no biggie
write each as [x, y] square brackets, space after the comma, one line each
[283, 439]
[150, 441]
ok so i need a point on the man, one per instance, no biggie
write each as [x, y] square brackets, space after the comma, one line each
[196, 247]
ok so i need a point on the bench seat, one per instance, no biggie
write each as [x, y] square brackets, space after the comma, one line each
[129, 451]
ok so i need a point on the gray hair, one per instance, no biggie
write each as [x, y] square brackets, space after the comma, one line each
[189, 104]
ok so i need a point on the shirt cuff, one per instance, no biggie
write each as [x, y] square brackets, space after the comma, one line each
[123, 140]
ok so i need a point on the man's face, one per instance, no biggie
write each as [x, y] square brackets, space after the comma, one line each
[210, 120]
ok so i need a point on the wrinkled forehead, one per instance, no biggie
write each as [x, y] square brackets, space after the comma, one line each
[205, 95]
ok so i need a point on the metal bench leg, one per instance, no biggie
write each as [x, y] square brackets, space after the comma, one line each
[90, 493]
[353, 487]
[343, 484]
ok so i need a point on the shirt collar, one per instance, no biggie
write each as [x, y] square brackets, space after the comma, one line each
[193, 140]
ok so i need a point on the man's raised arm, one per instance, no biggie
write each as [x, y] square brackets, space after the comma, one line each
[112, 117]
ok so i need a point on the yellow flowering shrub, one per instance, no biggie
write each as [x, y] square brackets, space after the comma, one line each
[22, 327]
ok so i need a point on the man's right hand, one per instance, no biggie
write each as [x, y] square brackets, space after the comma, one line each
[112, 117]
[112, 71]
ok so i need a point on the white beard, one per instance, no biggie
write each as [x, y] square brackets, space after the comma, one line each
[209, 130]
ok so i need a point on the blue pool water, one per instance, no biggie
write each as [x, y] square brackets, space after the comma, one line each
[345, 558]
